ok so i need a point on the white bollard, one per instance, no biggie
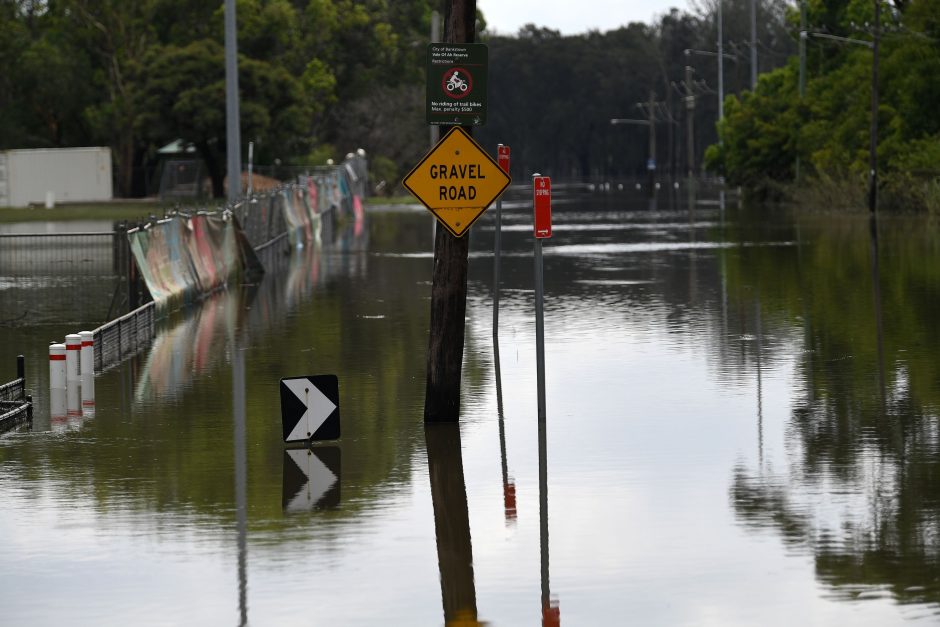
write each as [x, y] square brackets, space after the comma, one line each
[73, 400]
[87, 361]
[57, 407]
[73, 346]
[57, 367]
[88, 394]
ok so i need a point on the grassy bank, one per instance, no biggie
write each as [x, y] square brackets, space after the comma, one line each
[81, 211]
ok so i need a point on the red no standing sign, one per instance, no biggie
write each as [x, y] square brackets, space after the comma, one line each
[542, 200]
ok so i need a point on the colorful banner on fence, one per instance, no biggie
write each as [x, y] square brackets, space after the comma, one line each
[182, 258]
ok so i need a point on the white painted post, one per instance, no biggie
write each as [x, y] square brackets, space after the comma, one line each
[57, 407]
[57, 366]
[88, 393]
[87, 360]
[73, 346]
[57, 383]
[73, 399]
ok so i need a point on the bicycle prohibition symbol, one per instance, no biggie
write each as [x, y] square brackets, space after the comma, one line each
[457, 83]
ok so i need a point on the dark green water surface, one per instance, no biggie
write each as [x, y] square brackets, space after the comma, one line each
[742, 430]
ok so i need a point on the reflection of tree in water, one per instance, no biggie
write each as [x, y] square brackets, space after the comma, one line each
[863, 442]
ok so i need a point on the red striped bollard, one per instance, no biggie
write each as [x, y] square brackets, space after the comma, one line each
[73, 347]
[87, 368]
[57, 383]
[87, 360]
[57, 366]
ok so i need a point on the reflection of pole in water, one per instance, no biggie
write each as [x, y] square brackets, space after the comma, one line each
[241, 477]
[509, 488]
[451, 522]
[551, 614]
[876, 296]
[760, 409]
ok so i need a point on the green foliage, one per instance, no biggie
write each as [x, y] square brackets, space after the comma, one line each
[385, 173]
[766, 132]
[349, 73]
[320, 154]
[139, 75]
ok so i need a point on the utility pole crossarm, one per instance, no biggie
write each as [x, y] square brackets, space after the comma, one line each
[708, 53]
[848, 40]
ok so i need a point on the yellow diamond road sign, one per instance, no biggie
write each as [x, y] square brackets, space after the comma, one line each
[457, 181]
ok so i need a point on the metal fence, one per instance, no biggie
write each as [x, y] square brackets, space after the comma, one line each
[48, 277]
[15, 404]
[287, 216]
[124, 336]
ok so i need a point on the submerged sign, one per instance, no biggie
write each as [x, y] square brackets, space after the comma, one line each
[457, 181]
[456, 88]
[310, 408]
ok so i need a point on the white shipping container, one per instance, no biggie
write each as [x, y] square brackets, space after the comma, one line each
[64, 174]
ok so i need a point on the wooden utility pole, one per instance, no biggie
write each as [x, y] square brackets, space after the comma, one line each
[449, 279]
[651, 159]
[689, 116]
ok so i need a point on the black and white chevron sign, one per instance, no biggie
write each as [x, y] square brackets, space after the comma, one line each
[310, 408]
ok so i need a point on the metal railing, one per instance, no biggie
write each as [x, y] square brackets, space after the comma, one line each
[284, 215]
[15, 404]
[49, 277]
[124, 336]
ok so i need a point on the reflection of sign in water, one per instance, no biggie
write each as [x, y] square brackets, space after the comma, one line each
[456, 84]
[311, 478]
[310, 408]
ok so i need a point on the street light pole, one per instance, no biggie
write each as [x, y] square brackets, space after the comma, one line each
[753, 45]
[721, 71]
[233, 142]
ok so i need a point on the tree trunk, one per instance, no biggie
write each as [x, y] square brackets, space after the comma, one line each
[214, 166]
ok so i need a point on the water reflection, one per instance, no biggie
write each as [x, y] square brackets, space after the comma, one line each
[311, 478]
[241, 475]
[88, 394]
[551, 612]
[451, 523]
[859, 493]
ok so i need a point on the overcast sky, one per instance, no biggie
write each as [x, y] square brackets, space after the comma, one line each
[572, 16]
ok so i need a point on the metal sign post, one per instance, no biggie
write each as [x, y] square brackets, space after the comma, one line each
[542, 205]
[502, 157]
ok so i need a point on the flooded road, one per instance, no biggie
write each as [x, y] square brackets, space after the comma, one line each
[742, 429]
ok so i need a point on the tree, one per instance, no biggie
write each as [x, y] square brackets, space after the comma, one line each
[183, 95]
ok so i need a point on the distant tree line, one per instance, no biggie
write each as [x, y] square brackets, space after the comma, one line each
[319, 78]
[552, 97]
[771, 132]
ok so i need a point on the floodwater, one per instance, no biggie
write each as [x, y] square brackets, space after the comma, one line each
[742, 429]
